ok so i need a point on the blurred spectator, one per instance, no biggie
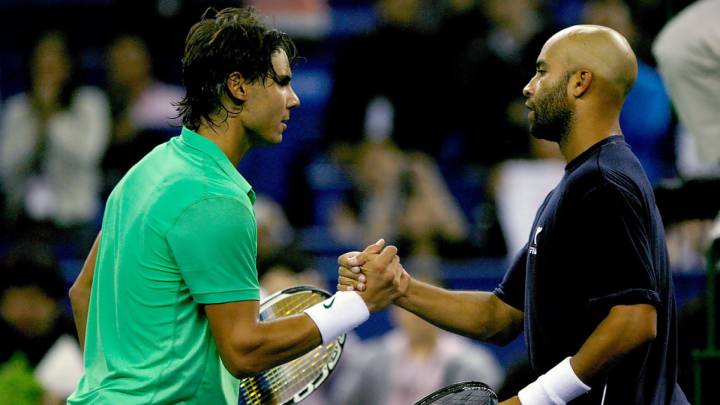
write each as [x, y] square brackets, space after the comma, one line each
[431, 223]
[142, 106]
[519, 187]
[491, 73]
[288, 270]
[397, 196]
[303, 19]
[646, 118]
[275, 235]
[688, 54]
[51, 140]
[414, 359]
[388, 84]
[34, 325]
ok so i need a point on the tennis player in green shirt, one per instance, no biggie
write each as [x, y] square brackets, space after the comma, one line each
[166, 304]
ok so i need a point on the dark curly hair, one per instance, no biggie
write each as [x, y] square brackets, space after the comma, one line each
[232, 40]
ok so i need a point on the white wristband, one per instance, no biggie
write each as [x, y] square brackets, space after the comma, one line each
[338, 314]
[556, 387]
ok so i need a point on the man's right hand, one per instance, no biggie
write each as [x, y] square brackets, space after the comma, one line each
[376, 274]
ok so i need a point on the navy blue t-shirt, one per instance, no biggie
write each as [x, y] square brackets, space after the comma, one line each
[598, 241]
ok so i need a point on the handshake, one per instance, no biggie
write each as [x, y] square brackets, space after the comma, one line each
[375, 274]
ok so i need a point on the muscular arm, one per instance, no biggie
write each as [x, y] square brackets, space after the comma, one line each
[248, 346]
[626, 328]
[80, 292]
[477, 314]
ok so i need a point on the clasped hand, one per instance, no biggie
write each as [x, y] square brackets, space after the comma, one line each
[375, 273]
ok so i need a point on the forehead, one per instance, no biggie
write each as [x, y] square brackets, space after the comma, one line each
[551, 53]
[280, 62]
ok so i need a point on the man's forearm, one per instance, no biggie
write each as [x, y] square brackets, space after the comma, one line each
[80, 301]
[80, 292]
[476, 314]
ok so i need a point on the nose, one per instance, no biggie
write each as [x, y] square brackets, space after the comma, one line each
[527, 92]
[294, 100]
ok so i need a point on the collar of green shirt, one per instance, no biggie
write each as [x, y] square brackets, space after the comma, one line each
[203, 144]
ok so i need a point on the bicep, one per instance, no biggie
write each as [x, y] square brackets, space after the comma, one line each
[85, 278]
[624, 329]
[224, 319]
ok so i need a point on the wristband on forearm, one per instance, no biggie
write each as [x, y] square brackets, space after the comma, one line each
[338, 314]
[556, 387]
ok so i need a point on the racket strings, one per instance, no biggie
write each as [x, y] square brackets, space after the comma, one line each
[467, 397]
[276, 379]
[282, 382]
[468, 392]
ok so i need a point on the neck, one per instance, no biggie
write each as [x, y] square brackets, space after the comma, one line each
[230, 138]
[586, 132]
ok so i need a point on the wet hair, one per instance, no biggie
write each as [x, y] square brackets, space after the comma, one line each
[221, 43]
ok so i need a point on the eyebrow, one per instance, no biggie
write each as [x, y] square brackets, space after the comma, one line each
[540, 64]
[283, 79]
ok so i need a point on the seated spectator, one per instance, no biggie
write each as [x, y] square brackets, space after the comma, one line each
[398, 196]
[288, 270]
[646, 118]
[519, 186]
[382, 103]
[34, 329]
[51, 140]
[275, 235]
[415, 359]
[142, 106]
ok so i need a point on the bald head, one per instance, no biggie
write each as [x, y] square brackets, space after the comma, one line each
[602, 51]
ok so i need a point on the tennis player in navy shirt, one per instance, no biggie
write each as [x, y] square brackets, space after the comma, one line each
[591, 289]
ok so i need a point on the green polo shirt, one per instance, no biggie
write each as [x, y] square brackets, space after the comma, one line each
[179, 231]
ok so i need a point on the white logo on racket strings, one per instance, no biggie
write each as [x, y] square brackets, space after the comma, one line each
[533, 246]
[334, 356]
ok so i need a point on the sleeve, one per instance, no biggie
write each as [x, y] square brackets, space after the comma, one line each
[512, 287]
[620, 268]
[214, 242]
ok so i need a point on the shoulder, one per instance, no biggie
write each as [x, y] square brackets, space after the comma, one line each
[198, 191]
[613, 169]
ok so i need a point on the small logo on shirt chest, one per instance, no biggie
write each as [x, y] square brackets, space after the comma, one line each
[533, 246]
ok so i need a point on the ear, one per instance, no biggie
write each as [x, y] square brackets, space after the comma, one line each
[237, 86]
[580, 82]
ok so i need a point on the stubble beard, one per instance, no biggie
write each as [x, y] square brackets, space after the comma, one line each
[553, 115]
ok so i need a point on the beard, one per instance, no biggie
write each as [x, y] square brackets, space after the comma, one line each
[553, 114]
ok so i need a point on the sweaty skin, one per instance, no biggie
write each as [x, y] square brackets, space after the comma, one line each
[601, 67]
[602, 51]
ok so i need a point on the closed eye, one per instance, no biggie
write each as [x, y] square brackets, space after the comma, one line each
[283, 80]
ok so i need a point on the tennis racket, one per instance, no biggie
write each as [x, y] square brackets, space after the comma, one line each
[293, 381]
[464, 393]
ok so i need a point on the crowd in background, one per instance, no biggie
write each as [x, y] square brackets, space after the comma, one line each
[412, 128]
